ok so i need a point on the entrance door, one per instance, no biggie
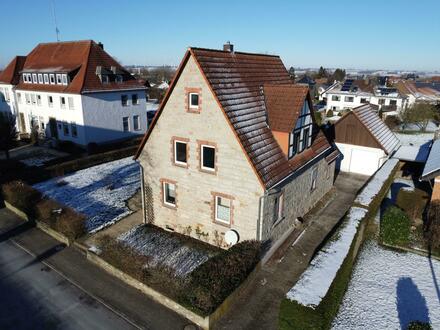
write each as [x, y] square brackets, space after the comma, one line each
[53, 128]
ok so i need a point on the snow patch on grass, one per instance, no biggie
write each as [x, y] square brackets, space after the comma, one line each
[164, 249]
[389, 289]
[99, 192]
[414, 139]
[376, 183]
[316, 280]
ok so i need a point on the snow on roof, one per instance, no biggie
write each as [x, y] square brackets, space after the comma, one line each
[316, 280]
[432, 166]
[375, 184]
[417, 154]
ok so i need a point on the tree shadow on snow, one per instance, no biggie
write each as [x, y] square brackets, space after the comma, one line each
[410, 304]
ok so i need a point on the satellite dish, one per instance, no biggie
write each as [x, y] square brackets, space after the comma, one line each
[231, 237]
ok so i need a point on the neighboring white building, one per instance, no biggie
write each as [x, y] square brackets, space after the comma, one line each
[417, 94]
[9, 77]
[75, 91]
[364, 140]
[343, 96]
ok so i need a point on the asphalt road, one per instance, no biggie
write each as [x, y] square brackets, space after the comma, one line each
[33, 296]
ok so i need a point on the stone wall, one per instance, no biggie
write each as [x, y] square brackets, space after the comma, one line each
[298, 198]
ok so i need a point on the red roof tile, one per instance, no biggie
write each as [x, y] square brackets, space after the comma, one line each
[11, 74]
[80, 58]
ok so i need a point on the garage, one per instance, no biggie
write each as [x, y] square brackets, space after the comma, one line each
[364, 141]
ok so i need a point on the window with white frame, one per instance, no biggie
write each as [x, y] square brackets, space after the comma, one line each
[7, 95]
[180, 152]
[125, 124]
[363, 100]
[70, 102]
[207, 157]
[124, 100]
[301, 136]
[34, 78]
[25, 78]
[38, 99]
[50, 100]
[40, 78]
[74, 129]
[381, 101]
[27, 98]
[349, 99]
[62, 102]
[29, 78]
[33, 99]
[393, 102]
[46, 78]
[313, 178]
[335, 98]
[279, 207]
[42, 125]
[134, 99]
[193, 100]
[118, 78]
[136, 123]
[64, 77]
[66, 129]
[19, 98]
[223, 209]
[169, 193]
[52, 79]
[59, 81]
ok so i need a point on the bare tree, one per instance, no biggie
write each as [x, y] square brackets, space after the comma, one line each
[8, 132]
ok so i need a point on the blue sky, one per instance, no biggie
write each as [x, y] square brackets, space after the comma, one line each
[372, 34]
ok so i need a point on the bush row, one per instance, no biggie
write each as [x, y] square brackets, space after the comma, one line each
[57, 216]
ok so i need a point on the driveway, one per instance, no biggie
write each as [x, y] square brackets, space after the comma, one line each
[45, 285]
[258, 307]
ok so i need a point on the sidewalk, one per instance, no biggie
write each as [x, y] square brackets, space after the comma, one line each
[119, 297]
[259, 306]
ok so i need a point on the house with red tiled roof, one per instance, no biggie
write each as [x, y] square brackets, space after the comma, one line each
[8, 80]
[75, 91]
[233, 152]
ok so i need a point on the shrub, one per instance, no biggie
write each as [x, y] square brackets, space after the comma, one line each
[213, 281]
[419, 325]
[433, 225]
[392, 122]
[70, 223]
[329, 113]
[22, 196]
[395, 227]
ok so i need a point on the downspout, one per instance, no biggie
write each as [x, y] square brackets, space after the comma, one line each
[141, 173]
[260, 216]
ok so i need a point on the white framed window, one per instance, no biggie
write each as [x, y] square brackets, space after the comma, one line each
[349, 99]
[50, 100]
[34, 78]
[313, 178]
[223, 209]
[279, 207]
[74, 129]
[59, 81]
[62, 102]
[19, 98]
[363, 100]
[64, 77]
[65, 129]
[25, 78]
[136, 123]
[335, 98]
[118, 78]
[169, 193]
[40, 78]
[193, 100]
[46, 78]
[52, 79]
[33, 99]
[70, 102]
[27, 98]
[134, 99]
[42, 125]
[7, 95]
[38, 99]
[125, 124]
[124, 100]
[29, 78]
[207, 157]
[180, 152]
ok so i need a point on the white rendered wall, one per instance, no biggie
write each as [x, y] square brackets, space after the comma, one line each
[359, 159]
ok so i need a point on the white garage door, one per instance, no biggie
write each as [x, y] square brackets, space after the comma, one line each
[363, 161]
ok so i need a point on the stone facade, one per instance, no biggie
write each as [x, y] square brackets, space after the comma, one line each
[298, 198]
[234, 175]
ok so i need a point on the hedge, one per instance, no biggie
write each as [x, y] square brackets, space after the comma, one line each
[395, 227]
[419, 325]
[296, 316]
[57, 216]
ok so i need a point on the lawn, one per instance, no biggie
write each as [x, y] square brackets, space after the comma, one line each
[99, 192]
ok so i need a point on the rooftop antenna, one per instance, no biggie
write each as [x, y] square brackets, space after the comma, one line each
[57, 31]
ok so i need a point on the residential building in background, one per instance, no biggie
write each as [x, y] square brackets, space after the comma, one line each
[9, 78]
[75, 91]
[233, 156]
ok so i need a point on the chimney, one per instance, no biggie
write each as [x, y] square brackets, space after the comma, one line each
[100, 44]
[228, 47]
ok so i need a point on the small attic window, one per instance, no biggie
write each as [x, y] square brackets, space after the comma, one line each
[52, 79]
[105, 79]
[118, 78]
[59, 81]
[64, 79]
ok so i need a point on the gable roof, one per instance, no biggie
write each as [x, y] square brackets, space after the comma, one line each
[10, 75]
[432, 166]
[284, 104]
[81, 59]
[236, 80]
[367, 116]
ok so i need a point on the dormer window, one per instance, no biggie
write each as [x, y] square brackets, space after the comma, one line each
[25, 78]
[118, 78]
[34, 78]
[40, 78]
[59, 81]
[64, 77]
[105, 79]
[46, 78]
[52, 79]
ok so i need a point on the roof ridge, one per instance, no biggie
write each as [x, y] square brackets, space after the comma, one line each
[234, 52]
[65, 42]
